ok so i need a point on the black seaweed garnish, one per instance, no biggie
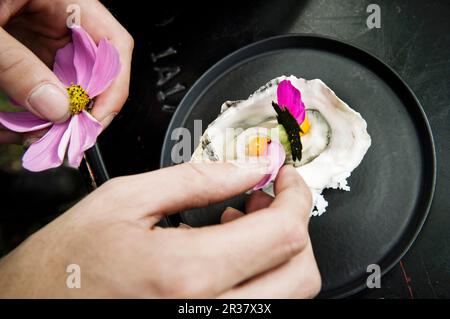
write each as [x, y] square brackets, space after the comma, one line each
[285, 118]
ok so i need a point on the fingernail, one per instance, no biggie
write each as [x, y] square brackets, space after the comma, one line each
[231, 209]
[50, 102]
[107, 120]
[26, 143]
[226, 217]
[182, 225]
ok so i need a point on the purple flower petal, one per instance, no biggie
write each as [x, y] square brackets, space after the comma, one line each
[85, 52]
[106, 68]
[277, 156]
[85, 129]
[43, 154]
[289, 97]
[22, 121]
[64, 65]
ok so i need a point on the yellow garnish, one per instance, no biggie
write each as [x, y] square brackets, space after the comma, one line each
[258, 145]
[305, 126]
[78, 97]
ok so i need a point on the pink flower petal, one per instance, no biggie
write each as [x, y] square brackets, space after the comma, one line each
[43, 154]
[85, 52]
[277, 156]
[63, 66]
[106, 68]
[289, 97]
[22, 121]
[85, 129]
[65, 138]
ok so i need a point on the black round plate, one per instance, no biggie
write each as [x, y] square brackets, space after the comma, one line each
[392, 189]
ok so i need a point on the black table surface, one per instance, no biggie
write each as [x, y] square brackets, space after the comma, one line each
[185, 39]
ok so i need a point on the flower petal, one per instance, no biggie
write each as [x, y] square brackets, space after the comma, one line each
[106, 68]
[65, 138]
[289, 97]
[64, 65]
[85, 52]
[43, 154]
[85, 130]
[22, 121]
[277, 156]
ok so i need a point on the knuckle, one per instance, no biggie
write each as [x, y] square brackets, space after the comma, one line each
[127, 38]
[186, 287]
[308, 282]
[189, 281]
[189, 286]
[200, 173]
[125, 94]
[302, 192]
[195, 170]
[307, 287]
[295, 238]
[304, 197]
[11, 59]
[162, 286]
[307, 197]
[130, 41]
[111, 185]
[196, 177]
[314, 284]
[300, 189]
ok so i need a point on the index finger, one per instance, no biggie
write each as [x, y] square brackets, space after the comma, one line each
[180, 187]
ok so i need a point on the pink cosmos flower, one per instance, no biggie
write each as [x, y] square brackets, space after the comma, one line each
[86, 70]
[275, 152]
[290, 98]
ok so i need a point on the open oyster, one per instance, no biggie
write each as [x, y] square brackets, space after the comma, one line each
[333, 142]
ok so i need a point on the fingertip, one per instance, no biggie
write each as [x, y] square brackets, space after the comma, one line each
[184, 226]
[230, 214]
[108, 119]
[289, 177]
[109, 103]
[258, 200]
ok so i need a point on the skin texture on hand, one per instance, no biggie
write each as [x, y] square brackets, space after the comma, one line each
[31, 31]
[111, 235]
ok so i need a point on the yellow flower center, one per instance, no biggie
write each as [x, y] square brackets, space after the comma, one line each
[78, 97]
[305, 126]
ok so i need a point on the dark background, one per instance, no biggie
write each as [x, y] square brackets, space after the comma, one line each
[414, 39]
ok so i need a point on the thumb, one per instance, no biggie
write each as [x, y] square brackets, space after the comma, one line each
[28, 81]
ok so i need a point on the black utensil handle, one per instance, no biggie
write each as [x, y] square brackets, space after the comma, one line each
[93, 168]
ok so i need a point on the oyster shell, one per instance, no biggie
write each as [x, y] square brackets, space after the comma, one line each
[332, 149]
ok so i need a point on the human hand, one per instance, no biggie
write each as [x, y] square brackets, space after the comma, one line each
[111, 235]
[31, 31]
